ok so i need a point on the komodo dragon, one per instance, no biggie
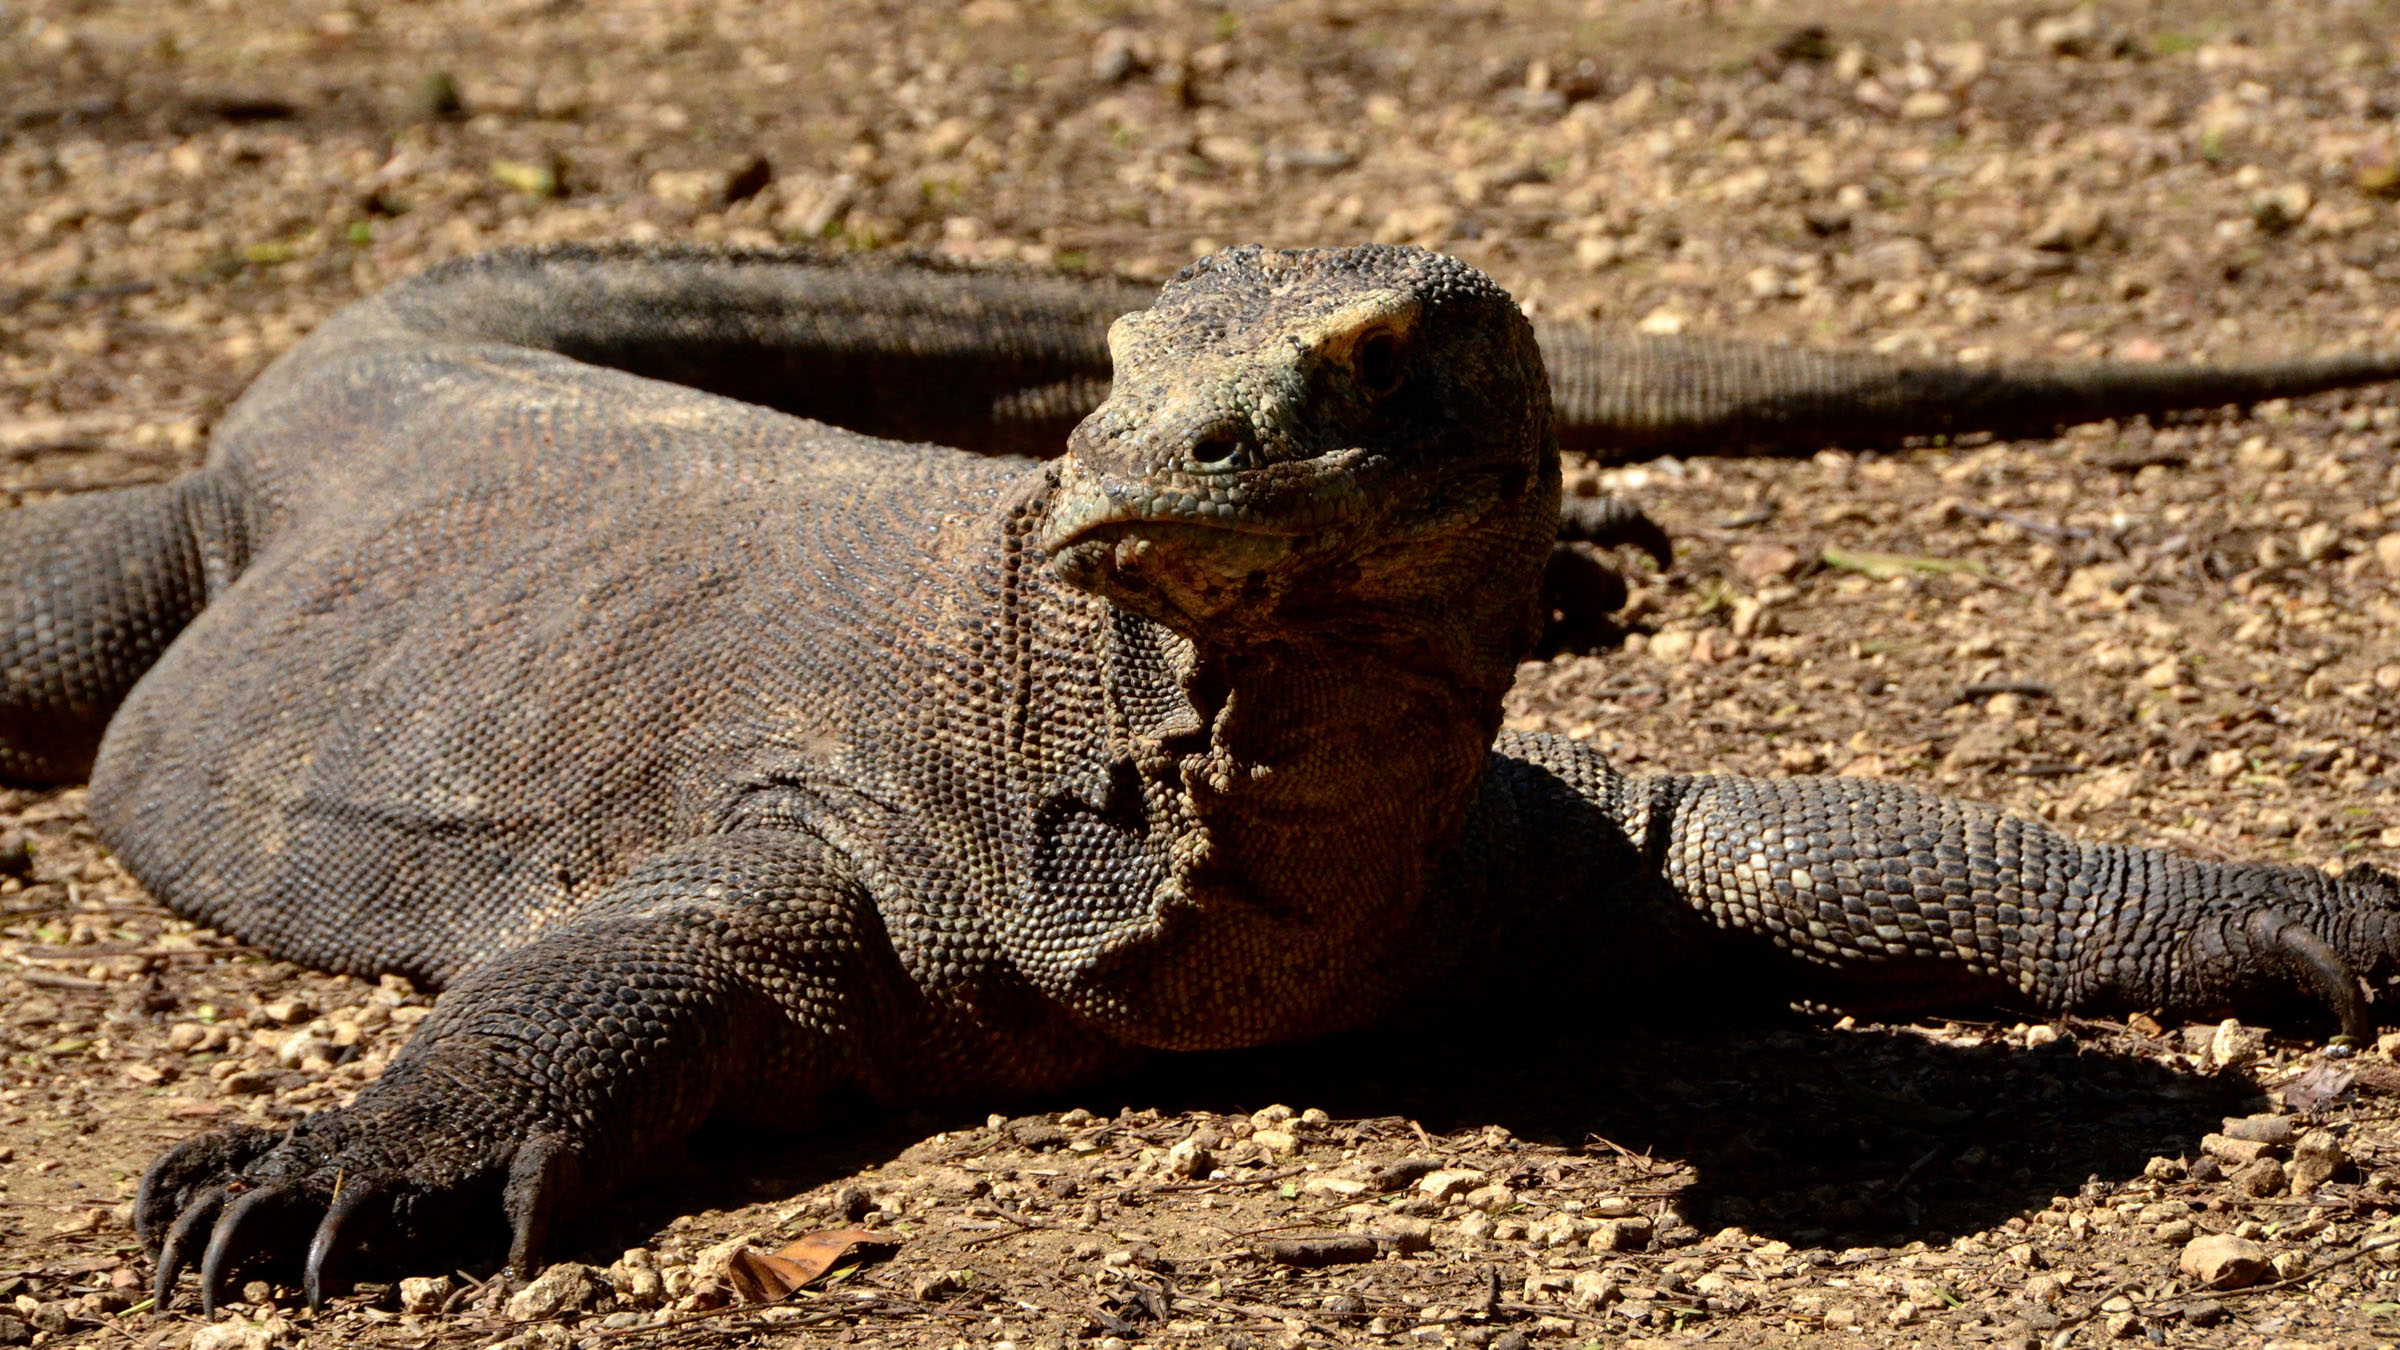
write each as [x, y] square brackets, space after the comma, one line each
[720, 763]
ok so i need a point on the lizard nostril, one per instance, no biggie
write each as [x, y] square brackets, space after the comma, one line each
[1215, 450]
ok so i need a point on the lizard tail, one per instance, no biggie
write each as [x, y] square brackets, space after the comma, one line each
[92, 589]
[1636, 395]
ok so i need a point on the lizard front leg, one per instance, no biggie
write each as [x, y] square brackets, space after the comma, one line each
[742, 974]
[1900, 899]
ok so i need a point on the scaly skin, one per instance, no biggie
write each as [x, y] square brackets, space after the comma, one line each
[720, 762]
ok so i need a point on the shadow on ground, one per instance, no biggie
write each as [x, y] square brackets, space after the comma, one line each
[1822, 1138]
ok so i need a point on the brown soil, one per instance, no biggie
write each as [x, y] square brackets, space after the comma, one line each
[2205, 613]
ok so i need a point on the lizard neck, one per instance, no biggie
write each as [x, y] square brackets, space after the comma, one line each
[1244, 850]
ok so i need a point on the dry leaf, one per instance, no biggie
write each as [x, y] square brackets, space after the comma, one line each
[761, 1277]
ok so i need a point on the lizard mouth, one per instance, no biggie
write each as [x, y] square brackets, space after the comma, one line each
[1188, 548]
[1288, 501]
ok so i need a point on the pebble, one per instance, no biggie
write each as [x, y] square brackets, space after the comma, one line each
[239, 1335]
[941, 1284]
[2387, 554]
[1630, 1234]
[2240, 1152]
[2266, 1128]
[2259, 1179]
[2233, 1044]
[244, 1083]
[1190, 1158]
[1407, 1235]
[300, 1047]
[2223, 1261]
[2316, 1158]
[1592, 1289]
[1449, 1183]
[566, 1287]
[424, 1293]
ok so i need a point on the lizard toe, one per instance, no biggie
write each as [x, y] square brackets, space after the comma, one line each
[255, 1228]
[339, 1234]
[171, 1186]
[182, 1241]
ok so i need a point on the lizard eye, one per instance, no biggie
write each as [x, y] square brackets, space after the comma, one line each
[1376, 364]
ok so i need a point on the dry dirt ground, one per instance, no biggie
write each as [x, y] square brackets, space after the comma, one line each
[2202, 618]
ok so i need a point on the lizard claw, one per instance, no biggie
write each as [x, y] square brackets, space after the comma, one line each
[181, 1236]
[2315, 966]
[2327, 941]
[341, 1191]
[246, 1229]
[327, 1247]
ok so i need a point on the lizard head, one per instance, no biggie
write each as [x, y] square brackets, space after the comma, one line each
[1335, 440]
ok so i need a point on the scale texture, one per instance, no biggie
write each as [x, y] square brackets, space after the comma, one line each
[722, 763]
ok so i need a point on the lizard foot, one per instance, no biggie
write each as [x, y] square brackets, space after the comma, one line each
[1579, 591]
[2335, 957]
[343, 1189]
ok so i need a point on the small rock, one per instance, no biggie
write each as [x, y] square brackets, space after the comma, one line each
[2316, 1159]
[1282, 1143]
[2279, 209]
[2121, 1325]
[542, 1336]
[1270, 1117]
[1407, 1235]
[2259, 1179]
[940, 1284]
[13, 1331]
[234, 1335]
[637, 1286]
[2239, 1152]
[302, 1046]
[424, 1293]
[1631, 1234]
[2206, 1312]
[244, 1083]
[1341, 1188]
[2223, 1261]
[1592, 1289]
[2233, 1044]
[2175, 1232]
[1449, 1183]
[1393, 1176]
[2075, 33]
[186, 1036]
[566, 1287]
[2387, 554]
[285, 1012]
[2289, 1265]
[1190, 1158]
[1477, 1226]
[2266, 1128]
[2072, 225]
